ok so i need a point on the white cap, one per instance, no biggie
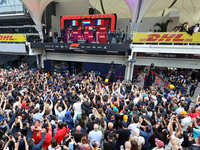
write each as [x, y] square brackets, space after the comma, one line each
[37, 105]
[182, 98]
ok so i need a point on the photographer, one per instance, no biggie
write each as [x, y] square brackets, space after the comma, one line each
[31, 142]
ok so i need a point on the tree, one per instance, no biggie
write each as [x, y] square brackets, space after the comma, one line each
[163, 25]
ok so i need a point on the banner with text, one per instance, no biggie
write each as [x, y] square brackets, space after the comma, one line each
[12, 37]
[166, 37]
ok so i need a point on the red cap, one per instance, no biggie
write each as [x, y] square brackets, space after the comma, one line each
[159, 143]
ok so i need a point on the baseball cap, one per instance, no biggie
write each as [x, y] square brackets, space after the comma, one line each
[183, 113]
[124, 124]
[183, 98]
[159, 143]
[125, 118]
[79, 117]
[115, 109]
[110, 110]
[68, 113]
[134, 113]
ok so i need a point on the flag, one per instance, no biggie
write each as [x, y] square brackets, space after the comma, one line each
[74, 22]
[86, 22]
[99, 22]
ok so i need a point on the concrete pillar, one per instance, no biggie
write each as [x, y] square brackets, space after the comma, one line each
[130, 69]
[38, 61]
[43, 57]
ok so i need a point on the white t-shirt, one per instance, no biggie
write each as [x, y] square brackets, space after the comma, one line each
[95, 136]
[139, 139]
[155, 148]
[132, 128]
[61, 114]
[185, 122]
[50, 148]
[136, 101]
[196, 29]
[179, 110]
[77, 108]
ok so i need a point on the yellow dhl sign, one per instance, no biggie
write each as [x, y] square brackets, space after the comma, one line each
[12, 37]
[166, 37]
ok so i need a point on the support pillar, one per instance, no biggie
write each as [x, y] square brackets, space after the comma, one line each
[43, 57]
[38, 61]
[130, 69]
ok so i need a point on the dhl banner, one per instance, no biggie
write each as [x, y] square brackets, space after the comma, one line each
[166, 37]
[12, 37]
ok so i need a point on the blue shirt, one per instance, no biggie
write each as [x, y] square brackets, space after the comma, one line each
[146, 136]
[69, 122]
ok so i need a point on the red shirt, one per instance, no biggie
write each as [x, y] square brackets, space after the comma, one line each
[60, 134]
[193, 115]
[37, 136]
[48, 138]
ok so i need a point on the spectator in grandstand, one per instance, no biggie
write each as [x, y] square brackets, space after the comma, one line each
[109, 36]
[113, 41]
[118, 36]
[123, 36]
[50, 35]
[185, 27]
[196, 28]
[46, 36]
[62, 34]
[55, 35]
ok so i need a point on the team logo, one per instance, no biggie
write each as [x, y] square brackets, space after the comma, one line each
[2, 2]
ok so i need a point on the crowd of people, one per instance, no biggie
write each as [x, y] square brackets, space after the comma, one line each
[41, 111]
[186, 28]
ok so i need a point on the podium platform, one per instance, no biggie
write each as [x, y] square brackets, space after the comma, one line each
[82, 41]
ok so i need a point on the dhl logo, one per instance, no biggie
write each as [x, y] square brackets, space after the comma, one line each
[6, 38]
[165, 37]
[13, 37]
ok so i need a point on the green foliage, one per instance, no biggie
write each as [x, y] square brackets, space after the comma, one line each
[163, 25]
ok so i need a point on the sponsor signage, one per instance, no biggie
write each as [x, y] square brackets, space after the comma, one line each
[80, 46]
[12, 37]
[164, 55]
[166, 37]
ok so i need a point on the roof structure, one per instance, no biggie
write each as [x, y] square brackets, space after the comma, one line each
[36, 9]
[189, 9]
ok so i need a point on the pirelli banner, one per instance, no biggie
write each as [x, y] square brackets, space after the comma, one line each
[166, 37]
[12, 37]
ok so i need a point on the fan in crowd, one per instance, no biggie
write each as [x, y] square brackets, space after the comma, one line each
[40, 111]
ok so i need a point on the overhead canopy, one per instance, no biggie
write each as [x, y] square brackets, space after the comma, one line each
[36, 9]
[190, 9]
[138, 9]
